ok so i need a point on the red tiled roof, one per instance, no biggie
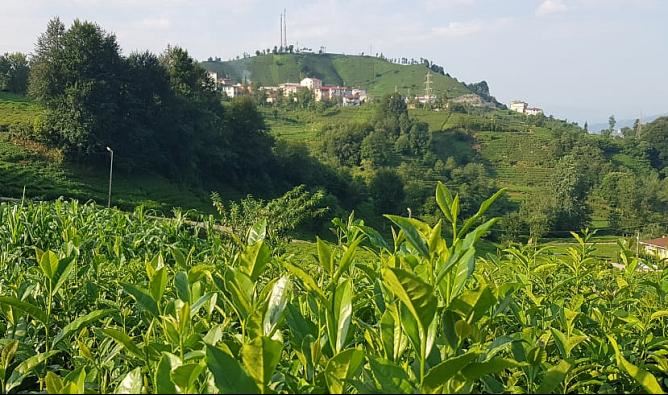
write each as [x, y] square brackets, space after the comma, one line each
[660, 242]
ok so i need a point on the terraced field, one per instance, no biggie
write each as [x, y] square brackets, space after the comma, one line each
[517, 159]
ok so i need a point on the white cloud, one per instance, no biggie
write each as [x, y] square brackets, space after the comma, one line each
[434, 5]
[549, 7]
[156, 23]
[458, 29]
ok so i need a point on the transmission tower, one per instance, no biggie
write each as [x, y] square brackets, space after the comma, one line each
[427, 89]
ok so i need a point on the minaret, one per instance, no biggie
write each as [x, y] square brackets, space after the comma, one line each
[281, 42]
[285, 28]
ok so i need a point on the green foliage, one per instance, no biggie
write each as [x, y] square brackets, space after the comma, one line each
[157, 306]
[634, 200]
[376, 148]
[342, 143]
[387, 191]
[158, 113]
[14, 71]
[281, 215]
[656, 135]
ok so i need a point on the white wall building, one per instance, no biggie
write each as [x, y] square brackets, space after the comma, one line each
[360, 93]
[290, 88]
[518, 106]
[533, 111]
[311, 83]
[213, 75]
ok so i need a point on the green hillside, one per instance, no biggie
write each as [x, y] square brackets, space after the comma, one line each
[16, 110]
[44, 174]
[376, 75]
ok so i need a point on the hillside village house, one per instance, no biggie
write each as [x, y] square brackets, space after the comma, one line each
[311, 83]
[518, 106]
[657, 247]
[345, 95]
[226, 85]
[523, 108]
[289, 88]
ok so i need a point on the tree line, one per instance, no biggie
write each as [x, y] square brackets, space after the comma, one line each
[14, 72]
[157, 111]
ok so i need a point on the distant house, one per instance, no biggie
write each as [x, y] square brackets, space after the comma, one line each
[361, 94]
[519, 106]
[311, 83]
[322, 94]
[351, 100]
[234, 90]
[290, 88]
[221, 83]
[338, 91]
[523, 108]
[657, 247]
[213, 75]
[425, 99]
[534, 111]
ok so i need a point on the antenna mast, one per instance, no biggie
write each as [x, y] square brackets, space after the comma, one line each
[285, 28]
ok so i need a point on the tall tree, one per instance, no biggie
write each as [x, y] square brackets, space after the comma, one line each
[46, 63]
[14, 72]
[77, 77]
[570, 185]
[656, 134]
[387, 191]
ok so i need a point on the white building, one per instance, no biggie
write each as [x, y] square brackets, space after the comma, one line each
[533, 111]
[233, 90]
[213, 75]
[361, 94]
[311, 83]
[519, 106]
[290, 88]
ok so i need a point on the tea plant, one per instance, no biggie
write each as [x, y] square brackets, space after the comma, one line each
[97, 300]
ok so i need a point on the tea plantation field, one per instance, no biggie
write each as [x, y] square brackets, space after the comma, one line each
[96, 300]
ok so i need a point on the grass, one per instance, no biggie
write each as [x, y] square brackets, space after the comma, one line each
[33, 168]
[17, 110]
[303, 126]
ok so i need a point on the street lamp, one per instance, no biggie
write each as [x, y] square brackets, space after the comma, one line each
[111, 169]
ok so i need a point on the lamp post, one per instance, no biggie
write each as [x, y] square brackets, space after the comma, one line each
[111, 169]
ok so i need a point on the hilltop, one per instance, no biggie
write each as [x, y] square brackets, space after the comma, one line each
[378, 76]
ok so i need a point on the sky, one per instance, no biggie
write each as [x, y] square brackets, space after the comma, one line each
[581, 60]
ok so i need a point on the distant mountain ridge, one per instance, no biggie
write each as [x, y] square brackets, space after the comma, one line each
[378, 76]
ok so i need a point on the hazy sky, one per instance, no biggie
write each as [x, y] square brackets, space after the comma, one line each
[578, 59]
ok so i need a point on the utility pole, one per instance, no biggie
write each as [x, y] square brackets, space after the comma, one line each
[111, 169]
